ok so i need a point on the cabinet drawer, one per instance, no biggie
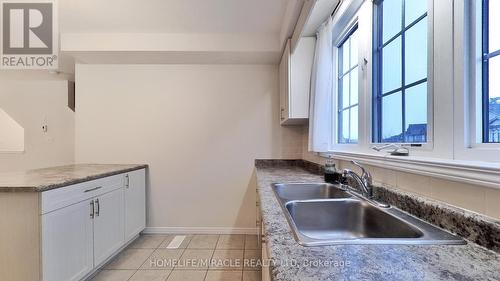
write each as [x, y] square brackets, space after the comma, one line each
[65, 196]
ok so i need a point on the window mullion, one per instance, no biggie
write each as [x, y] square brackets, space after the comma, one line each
[380, 52]
[403, 61]
[492, 54]
[485, 74]
[405, 28]
[350, 87]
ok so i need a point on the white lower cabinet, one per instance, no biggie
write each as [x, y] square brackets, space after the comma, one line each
[109, 233]
[80, 235]
[67, 239]
[135, 203]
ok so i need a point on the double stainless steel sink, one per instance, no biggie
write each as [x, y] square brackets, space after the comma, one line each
[326, 214]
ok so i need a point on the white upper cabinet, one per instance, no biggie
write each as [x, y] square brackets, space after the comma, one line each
[294, 81]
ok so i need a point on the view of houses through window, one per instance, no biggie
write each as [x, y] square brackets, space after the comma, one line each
[491, 71]
[400, 72]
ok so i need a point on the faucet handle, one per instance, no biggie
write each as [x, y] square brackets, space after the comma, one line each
[366, 174]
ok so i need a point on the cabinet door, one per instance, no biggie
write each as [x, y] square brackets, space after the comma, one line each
[301, 62]
[67, 242]
[108, 225]
[135, 203]
[284, 75]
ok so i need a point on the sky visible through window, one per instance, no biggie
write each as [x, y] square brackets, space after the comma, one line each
[402, 90]
[493, 72]
[348, 89]
[494, 45]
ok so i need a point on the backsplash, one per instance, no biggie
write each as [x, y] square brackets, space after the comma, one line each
[477, 228]
[474, 198]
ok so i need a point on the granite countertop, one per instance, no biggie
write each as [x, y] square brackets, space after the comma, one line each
[39, 180]
[292, 261]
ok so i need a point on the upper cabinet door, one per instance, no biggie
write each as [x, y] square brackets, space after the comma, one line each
[135, 203]
[67, 242]
[108, 225]
[295, 80]
[284, 84]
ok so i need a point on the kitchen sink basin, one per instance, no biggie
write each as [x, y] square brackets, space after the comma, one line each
[320, 215]
[347, 219]
[304, 191]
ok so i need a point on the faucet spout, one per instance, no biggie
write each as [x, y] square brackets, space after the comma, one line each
[366, 189]
[365, 184]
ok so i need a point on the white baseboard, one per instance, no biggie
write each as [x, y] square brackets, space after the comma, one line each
[200, 230]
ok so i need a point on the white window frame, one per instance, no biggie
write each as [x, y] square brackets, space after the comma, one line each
[361, 12]
[344, 20]
[469, 145]
[450, 155]
[337, 43]
[427, 146]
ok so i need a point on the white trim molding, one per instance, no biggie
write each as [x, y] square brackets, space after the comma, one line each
[200, 230]
[472, 172]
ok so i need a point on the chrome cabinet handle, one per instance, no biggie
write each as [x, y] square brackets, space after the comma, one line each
[92, 209]
[98, 207]
[92, 189]
[127, 183]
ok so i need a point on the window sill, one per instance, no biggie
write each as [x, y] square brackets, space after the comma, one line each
[472, 172]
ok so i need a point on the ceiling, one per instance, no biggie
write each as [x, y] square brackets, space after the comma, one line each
[172, 16]
[322, 10]
[174, 31]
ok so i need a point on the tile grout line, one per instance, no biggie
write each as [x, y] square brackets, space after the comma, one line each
[180, 256]
[133, 274]
[154, 250]
[183, 251]
[136, 270]
[244, 252]
[171, 270]
[210, 261]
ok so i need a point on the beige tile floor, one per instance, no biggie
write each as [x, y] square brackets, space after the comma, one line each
[199, 258]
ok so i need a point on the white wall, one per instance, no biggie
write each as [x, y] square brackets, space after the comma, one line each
[11, 134]
[32, 99]
[200, 127]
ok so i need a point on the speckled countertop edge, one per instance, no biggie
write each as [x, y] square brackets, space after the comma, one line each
[45, 179]
[365, 262]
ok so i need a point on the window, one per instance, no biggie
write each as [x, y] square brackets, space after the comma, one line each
[491, 71]
[400, 72]
[348, 88]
